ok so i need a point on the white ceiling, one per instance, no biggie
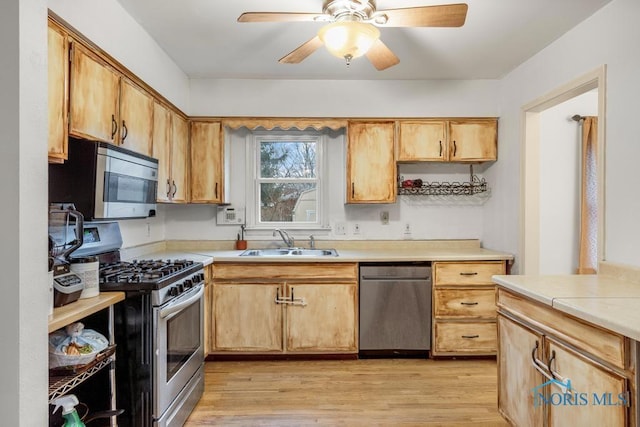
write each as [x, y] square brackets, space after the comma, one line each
[205, 41]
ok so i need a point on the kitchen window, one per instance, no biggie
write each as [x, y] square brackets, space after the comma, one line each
[286, 188]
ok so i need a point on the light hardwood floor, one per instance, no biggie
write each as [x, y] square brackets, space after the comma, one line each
[366, 392]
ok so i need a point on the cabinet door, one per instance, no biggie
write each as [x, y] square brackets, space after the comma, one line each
[326, 323]
[209, 320]
[206, 171]
[179, 158]
[58, 78]
[421, 141]
[371, 168]
[471, 140]
[162, 149]
[136, 118]
[598, 394]
[93, 99]
[517, 378]
[247, 318]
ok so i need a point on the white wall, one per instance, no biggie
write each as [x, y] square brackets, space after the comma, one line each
[608, 37]
[23, 253]
[560, 142]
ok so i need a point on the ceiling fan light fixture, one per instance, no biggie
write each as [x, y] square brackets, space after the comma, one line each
[348, 39]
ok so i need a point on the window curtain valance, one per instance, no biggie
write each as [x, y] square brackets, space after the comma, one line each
[284, 123]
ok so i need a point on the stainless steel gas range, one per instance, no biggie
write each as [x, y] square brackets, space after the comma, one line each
[158, 333]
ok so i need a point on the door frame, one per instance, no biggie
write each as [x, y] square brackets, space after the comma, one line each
[530, 164]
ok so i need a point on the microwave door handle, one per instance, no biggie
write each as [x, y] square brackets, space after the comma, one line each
[176, 307]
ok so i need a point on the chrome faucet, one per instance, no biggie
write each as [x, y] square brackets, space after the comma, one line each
[288, 240]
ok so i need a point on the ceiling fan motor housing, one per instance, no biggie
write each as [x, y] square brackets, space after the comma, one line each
[349, 10]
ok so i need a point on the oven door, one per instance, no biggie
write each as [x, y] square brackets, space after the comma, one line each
[178, 346]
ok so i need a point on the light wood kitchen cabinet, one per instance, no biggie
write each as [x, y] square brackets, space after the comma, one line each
[170, 143]
[136, 118]
[246, 317]
[326, 323]
[106, 106]
[543, 351]
[371, 167]
[58, 80]
[460, 140]
[208, 309]
[207, 163]
[301, 308]
[94, 97]
[518, 347]
[473, 140]
[464, 309]
[422, 140]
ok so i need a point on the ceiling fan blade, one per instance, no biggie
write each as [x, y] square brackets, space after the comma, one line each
[301, 52]
[450, 15]
[381, 56]
[280, 17]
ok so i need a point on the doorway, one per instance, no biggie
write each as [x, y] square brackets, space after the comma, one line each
[550, 209]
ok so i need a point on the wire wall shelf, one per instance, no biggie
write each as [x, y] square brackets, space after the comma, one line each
[474, 192]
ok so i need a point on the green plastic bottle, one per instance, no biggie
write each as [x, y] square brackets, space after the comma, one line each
[68, 403]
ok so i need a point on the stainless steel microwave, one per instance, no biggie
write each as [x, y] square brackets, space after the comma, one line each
[105, 181]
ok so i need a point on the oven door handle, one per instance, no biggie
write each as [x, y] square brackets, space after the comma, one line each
[179, 305]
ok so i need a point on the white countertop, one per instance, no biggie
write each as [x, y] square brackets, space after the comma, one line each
[603, 300]
[363, 255]
[391, 254]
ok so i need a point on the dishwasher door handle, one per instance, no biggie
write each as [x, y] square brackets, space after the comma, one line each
[394, 278]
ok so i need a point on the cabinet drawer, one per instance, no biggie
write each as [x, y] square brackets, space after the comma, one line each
[603, 344]
[467, 303]
[463, 337]
[268, 272]
[466, 273]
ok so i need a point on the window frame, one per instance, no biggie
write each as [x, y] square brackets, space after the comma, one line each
[253, 181]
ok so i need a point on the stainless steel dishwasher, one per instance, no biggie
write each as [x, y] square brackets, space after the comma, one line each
[395, 309]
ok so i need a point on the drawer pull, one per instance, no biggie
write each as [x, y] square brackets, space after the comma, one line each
[475, 273]
[469, 303]
[470, 336]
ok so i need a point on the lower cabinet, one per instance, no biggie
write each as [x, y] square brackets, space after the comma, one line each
[554, 370]
[259, 310]
[464, 309]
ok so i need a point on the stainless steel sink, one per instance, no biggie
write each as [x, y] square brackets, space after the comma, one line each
[290, 252]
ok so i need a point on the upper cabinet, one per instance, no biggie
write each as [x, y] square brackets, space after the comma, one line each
[106, 106]
[58, 79]
[422, 140]
[94, 97]
[371, 167]
[207, 162]
[459, 140]
[136, 118]
[170, 145]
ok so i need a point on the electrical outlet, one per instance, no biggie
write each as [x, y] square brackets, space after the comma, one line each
[384, 217]
[340, 229]
[407, 231]
[356, 229]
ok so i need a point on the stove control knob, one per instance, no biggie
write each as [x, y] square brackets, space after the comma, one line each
[188, 284]
[174, 291]
[201, 277]
[180, 287]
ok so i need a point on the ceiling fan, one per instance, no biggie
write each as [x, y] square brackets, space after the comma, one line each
[352, 27]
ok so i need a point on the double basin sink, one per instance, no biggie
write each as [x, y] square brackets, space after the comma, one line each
[290, 252]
